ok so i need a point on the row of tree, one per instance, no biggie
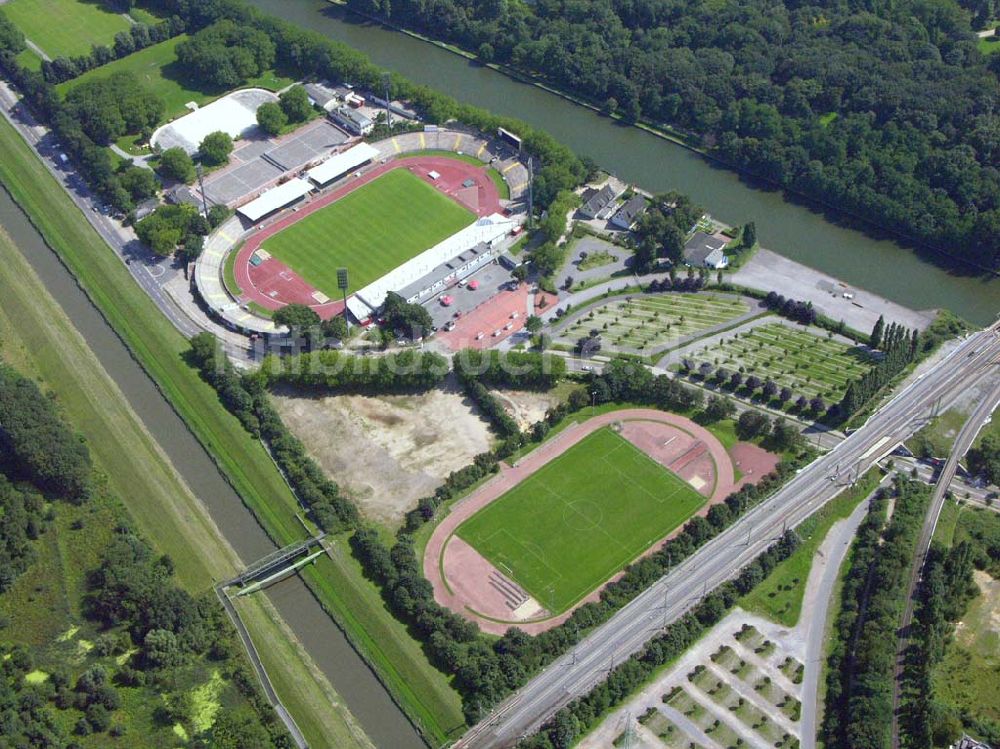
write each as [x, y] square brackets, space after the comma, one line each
[139, 36]
[899, 347]
[408, 371]
[750, 385]
[518, 370]
[802, 312]
[246, 397]
[861, 665]
[884, 111]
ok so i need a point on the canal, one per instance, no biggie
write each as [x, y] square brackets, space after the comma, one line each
[357, 685]
[656, 164]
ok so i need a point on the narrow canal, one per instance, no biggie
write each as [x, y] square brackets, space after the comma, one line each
[364, 695]
[793, 230]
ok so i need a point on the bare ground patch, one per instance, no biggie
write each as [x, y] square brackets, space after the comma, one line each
[526, 406]
[387, 451]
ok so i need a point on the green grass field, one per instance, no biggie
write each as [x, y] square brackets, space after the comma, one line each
[650, 322]
[809, 364]
[967, 678]
[350, 598]
[369, 231]
[779, 596]
[64, 28]
[157, 70]
[580, 518]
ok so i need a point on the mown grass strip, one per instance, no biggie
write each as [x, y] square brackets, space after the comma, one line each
[400, 663]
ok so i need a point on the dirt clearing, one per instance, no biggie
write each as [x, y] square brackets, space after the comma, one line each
[388, 451]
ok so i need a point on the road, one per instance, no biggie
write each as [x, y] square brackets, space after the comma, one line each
[151, 272]
[817, 603]
[719, 560]
[963, 442]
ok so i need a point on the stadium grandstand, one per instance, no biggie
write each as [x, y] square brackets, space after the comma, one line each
[275, 199]
[425, 272]
[339, 165]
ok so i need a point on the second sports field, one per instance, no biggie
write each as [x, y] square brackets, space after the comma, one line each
[369, 231]
[579, 519]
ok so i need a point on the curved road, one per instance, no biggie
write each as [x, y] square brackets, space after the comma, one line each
[722, 558]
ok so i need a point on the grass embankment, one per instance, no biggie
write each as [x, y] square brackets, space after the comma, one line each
[157, 69]
[779, 597]
[422, 690]
[44, 343]
[65, 28]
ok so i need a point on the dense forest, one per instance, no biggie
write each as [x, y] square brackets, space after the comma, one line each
[884, 110]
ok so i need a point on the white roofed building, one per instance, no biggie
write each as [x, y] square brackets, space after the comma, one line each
[275, 199]
[342, 163]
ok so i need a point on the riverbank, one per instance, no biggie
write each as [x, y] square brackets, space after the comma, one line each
[418, 687]
[664, 132]
[638, 157]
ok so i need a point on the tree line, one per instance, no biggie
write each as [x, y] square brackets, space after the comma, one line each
[861, 665]
[946, 587]
[138, 37]
[900, 347]
[883, 111]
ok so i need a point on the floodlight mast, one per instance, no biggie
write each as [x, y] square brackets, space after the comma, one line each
[342, 283]
[201, 186]
[388, 111]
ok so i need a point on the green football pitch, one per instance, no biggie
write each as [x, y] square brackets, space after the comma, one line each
[581, 518]
[369, 231]
[64, 28]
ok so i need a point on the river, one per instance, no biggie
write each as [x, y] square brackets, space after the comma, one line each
[363, 694]
[656, 164]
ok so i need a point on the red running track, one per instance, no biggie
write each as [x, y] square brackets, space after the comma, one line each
[272, 284]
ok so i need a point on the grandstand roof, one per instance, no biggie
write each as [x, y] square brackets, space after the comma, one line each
[343, 162]
[485, 230]
[275, 198]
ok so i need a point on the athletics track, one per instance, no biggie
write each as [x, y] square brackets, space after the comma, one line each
[272, 284]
